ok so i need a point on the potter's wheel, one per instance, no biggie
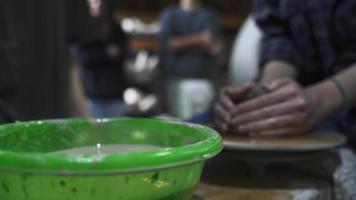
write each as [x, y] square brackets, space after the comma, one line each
[286, 168]
[283, 149]
[314, 141]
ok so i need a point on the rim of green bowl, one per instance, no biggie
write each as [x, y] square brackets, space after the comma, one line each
[133, 162]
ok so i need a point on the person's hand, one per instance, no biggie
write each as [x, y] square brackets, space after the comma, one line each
[286, 110]
[213, 45]
[208, 40]
[228, 98]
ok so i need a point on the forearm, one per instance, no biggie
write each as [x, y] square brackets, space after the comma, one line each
[347, 79]
[193, 42]
[328, 94]
[277, 69]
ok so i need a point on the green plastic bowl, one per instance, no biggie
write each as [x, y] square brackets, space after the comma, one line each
[29, 170]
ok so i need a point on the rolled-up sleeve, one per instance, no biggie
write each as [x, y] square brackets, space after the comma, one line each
[277, 43]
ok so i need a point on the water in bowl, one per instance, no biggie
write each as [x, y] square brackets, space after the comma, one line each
[106, 149]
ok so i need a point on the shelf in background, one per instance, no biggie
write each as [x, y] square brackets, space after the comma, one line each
[228, 21]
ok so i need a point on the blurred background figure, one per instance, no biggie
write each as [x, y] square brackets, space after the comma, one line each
[190, 46]
[35, 77]
[102, 61]
[37, 81]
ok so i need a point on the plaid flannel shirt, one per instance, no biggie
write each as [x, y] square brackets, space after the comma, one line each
[316, 36]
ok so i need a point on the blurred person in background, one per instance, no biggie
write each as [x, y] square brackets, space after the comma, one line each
[101, 62]
[308, 78]
[190, 42]
[36, 80]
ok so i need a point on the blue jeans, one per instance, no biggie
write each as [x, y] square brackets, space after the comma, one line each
[106, 108]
